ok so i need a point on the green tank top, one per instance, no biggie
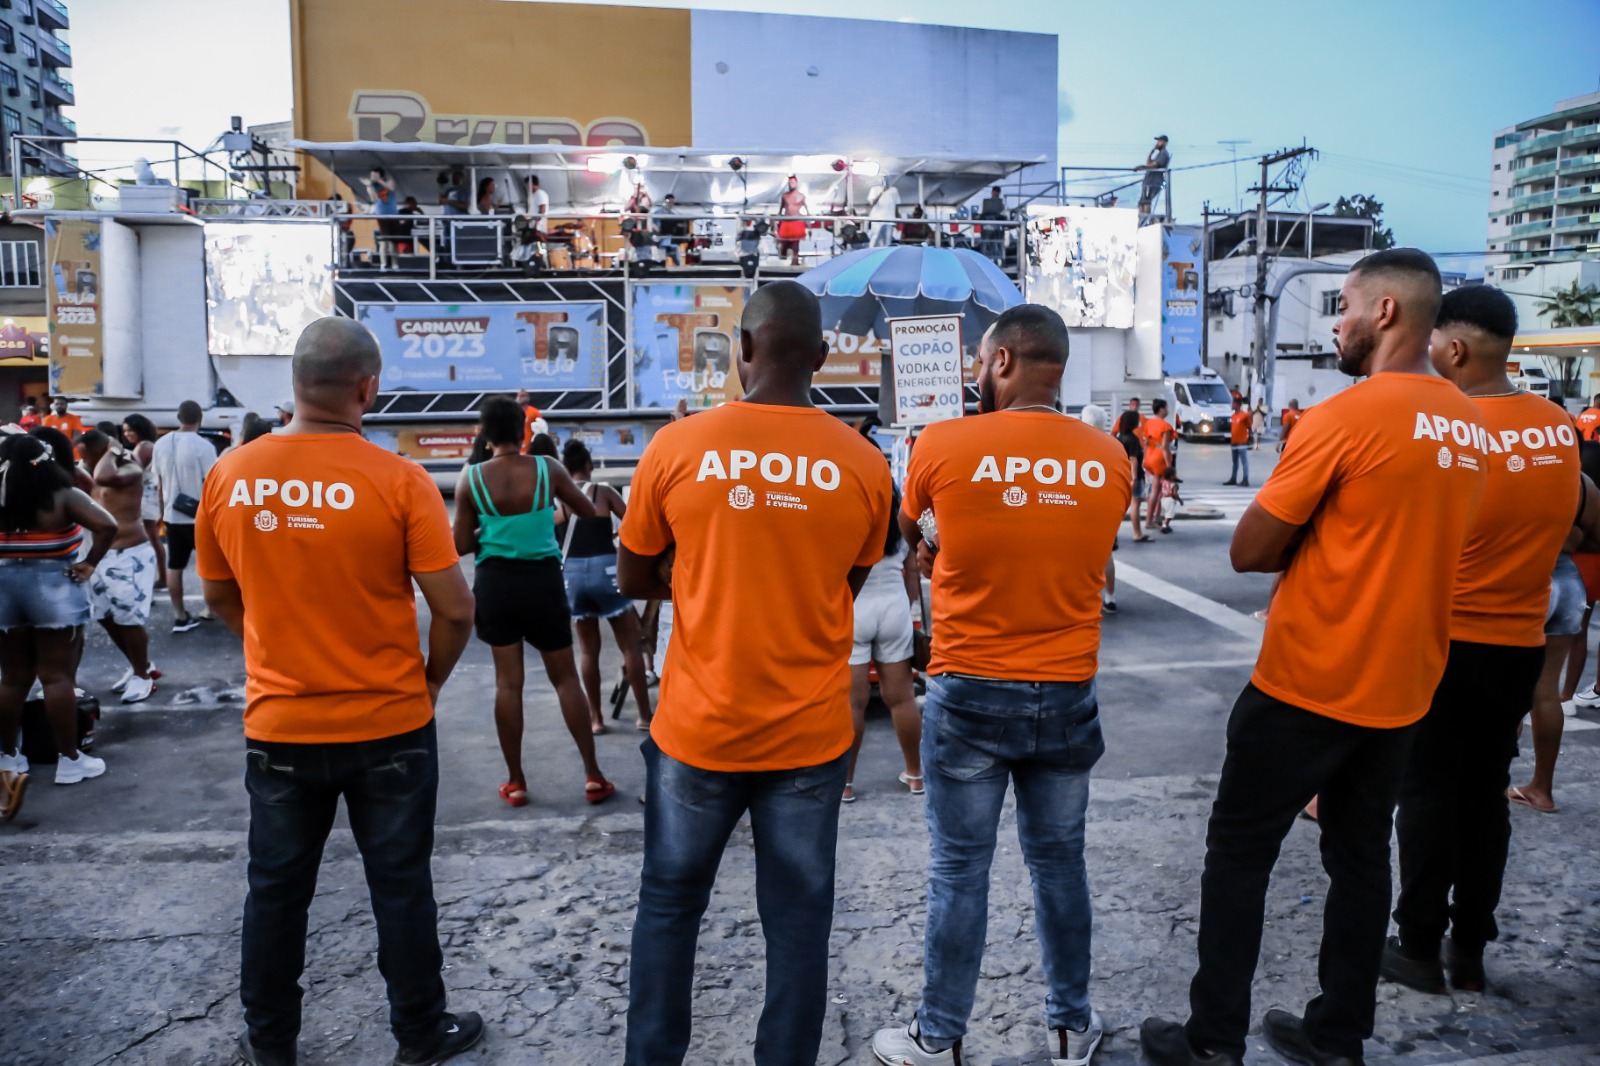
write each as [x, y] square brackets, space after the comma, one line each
[527, 536]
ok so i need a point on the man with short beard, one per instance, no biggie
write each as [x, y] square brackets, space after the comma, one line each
[1366, 516]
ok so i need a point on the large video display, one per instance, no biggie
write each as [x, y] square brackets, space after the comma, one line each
[1081, 263]
[265, 282]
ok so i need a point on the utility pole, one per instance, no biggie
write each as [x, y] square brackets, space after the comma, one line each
[1265, 360]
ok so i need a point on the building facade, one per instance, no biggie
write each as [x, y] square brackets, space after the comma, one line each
[1544, 199]
[35, 85]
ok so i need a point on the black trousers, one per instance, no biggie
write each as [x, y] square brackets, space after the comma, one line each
[1279, 756]
[1454, 824]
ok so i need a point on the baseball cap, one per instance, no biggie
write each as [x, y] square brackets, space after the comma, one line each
[287, 407]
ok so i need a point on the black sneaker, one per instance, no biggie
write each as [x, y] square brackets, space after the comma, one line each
[251, 1055]
[1287, 1035]
[456, 1033]
[1464, 967]
[1230, 481]
[185, 624]
[1424, 975]
[1109, 607]
[1166, 1044]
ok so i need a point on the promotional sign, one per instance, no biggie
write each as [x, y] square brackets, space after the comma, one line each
[1081, 263]
[606, 441]
[685, 342]
[24, 340]
[77, 336]
[499, 347]
[1182, 273]
[436, 442]
[852, 359]
[926, 357]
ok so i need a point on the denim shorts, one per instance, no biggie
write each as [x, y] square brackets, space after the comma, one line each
[38, 593]
[592, 588]
[1567, 599]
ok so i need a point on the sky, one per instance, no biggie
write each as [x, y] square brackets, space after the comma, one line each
[1401, 98]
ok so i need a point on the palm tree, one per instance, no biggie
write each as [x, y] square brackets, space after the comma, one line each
[1571, 306]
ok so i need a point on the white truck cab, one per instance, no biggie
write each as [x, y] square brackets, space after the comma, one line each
[1201, 405]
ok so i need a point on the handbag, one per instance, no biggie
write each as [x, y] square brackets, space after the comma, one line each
[186, 505]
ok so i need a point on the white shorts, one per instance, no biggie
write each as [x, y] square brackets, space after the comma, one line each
[883, 626]
[150, 502]
[122, 586]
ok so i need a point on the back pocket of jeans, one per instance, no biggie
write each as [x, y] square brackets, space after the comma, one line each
[400, 775]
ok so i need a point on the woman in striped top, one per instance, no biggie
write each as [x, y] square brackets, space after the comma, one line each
[43, 601]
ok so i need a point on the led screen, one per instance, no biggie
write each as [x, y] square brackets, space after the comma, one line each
[265, 282]
[1081, 262]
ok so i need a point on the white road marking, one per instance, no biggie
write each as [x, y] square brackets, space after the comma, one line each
[1219, 614]
[1154, 668]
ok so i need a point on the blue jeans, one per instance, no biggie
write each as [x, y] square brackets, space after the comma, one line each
[1241, 464]
[688, 816]
[389, 787]
[977, 735]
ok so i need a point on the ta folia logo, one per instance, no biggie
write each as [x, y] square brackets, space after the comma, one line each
[1445, 458]
[266, 521]
[741, 498]
[1015, 496]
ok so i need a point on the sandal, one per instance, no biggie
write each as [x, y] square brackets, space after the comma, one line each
[642, 725]
[596, 789]
[12, 786]
[913, 782]
[599, 730]
[1516, 795]
[849, 793]
[514, 794]
[1143, 538]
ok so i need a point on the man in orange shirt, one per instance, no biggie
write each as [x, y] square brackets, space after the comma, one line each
[1366, 516]
[59, 418]
[770, 514]
[1291, 416]
[1027, 504]
[1588, 420]
[1159, 457]
[533, 422]
[309, 541]
[1454, 826]
[1239, 440]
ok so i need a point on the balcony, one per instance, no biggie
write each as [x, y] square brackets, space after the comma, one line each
[1524, 175]
[1531, 201]
[54, 51]
[1578, 193]
[59, 125]
[1568, 224]
[1530, 229]
[1584, 135]
[52, 14]
[1580, 163]
[57, 90]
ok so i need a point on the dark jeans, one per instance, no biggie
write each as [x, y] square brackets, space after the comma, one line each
[389, 787]
[688, 816]
[1241, 464]
[1280, 756]
[1454, 824]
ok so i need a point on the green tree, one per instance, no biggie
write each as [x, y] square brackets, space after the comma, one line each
[1571, 306]
[1360, 206]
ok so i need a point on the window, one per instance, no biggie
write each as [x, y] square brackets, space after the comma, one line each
[8, 37]
[1497, 192]
[30, 51]
[1330, 302]
[19, 265]
[1494, 247]
[36, 127]
[33, 92]
[8, 76]
[11, 119]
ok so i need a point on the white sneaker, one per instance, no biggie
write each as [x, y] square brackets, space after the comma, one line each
[17, 764]
[71, 771]
[902, 1046]
[1569, 708]
[1587, 698]
[1078, 1047]
[138, 689]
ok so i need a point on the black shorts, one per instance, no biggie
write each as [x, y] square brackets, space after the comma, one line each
[180, 544]
[522, 600]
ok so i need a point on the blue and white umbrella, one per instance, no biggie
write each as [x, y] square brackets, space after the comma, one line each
[861, 289]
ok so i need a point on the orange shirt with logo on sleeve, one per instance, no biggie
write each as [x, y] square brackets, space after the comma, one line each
[1027, 505]
[322, 533]
[1386, 476]
[769, 508]
[1157, 432]
[1239, 428]
[1502, 591]
[1588, 423]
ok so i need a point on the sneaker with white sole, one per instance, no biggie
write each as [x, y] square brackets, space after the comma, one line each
[17, 764]
[1587, 698]
[1077, 1046]
[1570, 708]
[902, 1046]
[138, 689]
[71, 771]
[185, 624]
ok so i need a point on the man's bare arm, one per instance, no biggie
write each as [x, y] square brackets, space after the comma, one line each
[1263, 544]
[226, 602]
[450, 606]
[639, 577]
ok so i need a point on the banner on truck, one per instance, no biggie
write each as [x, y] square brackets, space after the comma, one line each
[926, 363]
[489, 347]
[77, 328]
[1182, 274]
[685, 344]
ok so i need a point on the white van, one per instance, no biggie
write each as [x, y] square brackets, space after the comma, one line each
[1201, 406]
[1532, 379]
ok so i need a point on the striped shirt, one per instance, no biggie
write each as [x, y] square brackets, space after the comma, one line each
[41, 544]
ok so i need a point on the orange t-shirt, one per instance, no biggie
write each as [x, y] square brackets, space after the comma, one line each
[1588, 422]
[1239, 428]
[1157, 431]
[322, 533]
[1027, 505]
[770, 508]
[1531, 502]
[1385, 477]
[69, 423]
[530, 415]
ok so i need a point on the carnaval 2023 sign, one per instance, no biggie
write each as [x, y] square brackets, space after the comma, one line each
[926, 359]
[489, 347]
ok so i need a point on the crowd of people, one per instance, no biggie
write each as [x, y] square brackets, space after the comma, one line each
[1414, 521]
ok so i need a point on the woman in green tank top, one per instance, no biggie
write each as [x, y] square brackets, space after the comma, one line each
[505, 515]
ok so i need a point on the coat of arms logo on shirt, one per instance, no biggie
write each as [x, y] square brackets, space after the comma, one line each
[1516, 464]
[1445, 458]
[1015, 496]
[741, 498]
[266, 521]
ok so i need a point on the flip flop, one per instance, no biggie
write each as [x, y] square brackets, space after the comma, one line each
[907, 779]
[12, 786]
[514, 794]
[598, 789]
[599, 730]
[1146, 539]
[849, 793]
[1515, 795]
